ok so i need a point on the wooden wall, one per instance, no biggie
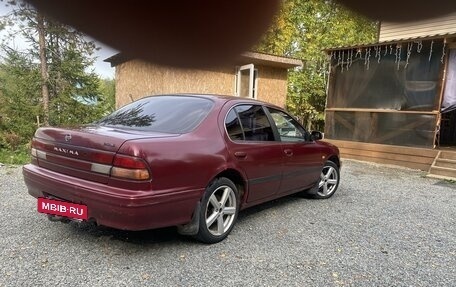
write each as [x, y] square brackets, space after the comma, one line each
[136, 79]
[416, 158]
[445, 24]
[272, 85]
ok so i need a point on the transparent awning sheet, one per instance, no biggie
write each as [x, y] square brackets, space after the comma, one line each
[449, 94]
[397, 77]
[403, 129]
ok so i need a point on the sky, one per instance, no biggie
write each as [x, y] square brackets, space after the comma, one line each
[101, 68]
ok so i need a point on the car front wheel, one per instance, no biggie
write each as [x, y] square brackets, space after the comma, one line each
[219, 210]
[329, 181]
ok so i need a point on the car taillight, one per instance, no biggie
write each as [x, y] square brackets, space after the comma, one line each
[130, 167]
[102, 158]
[37, 150]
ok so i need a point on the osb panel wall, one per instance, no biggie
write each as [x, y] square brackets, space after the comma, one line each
[136, 79]
[272, 85]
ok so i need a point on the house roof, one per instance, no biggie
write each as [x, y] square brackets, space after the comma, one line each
[245, 58]
[402, 40]
[269, 60]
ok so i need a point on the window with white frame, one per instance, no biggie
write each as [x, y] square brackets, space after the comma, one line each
[246, 81]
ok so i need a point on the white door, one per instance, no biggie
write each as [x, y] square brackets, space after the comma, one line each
[245, 81]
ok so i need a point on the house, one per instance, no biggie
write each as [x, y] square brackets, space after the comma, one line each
[394, 101]
[255, 75]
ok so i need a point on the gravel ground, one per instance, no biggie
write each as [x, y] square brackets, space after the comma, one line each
[386, 226]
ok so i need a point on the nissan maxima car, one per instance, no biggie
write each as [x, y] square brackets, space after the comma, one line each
[191, 161]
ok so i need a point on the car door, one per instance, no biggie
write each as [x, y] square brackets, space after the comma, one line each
[254, 148]
[303, 159]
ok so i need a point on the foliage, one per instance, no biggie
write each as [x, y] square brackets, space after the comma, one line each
[18, 156]
[19, 100]
[76, 94]
[303, 29]
[106, 96]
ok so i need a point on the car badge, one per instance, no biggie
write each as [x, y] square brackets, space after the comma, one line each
[67, 137]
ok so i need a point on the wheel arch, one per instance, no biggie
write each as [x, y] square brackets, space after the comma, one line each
[335, 159]
[237, 178]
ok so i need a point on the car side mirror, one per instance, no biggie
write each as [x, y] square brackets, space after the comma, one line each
[316, 135]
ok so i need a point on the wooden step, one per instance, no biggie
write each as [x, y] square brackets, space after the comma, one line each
[449, 178]
[443, 171]
[448, 155]
[449, 163]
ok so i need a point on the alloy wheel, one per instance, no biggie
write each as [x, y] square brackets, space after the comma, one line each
[329, 179]
[221, 210]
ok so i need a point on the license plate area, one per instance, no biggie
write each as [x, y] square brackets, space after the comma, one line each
[62, 208]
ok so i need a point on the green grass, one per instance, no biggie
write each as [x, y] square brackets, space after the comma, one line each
[450, 181]
[20, 156]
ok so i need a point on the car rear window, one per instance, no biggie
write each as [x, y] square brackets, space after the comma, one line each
[165, 114]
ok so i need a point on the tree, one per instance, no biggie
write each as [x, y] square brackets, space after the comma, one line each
[49, 82]
[68, 87]
[107, 96]
[303, 29]
[19, 99]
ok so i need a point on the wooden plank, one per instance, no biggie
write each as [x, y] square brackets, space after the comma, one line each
[419, 32]
[381, 111]
[443, 171]
[411, 29]
[420, 166]
[392, 156]
[442, 90]
[428, 21]
[384, 148]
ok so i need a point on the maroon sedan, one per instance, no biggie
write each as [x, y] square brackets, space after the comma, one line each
[191, 161]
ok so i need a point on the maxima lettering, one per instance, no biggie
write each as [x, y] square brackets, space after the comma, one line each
[67, 151]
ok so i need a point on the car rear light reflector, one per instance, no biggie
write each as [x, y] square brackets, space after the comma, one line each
[103, 158]
[100, 168]
[137, 174]
[129, 162]
[130, 167]
[38, 153]
[38, 144]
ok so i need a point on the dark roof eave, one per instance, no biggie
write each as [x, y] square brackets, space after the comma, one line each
[117, 59]
[244, 58]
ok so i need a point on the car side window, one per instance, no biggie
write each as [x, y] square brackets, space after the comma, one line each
[233, 126]
[289, 130]
[255, 123]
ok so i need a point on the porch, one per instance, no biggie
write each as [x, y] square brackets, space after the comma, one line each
[439, 162]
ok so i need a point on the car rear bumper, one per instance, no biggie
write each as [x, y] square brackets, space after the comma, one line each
[113, 207]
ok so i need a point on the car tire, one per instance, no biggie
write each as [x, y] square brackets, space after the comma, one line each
[219, 211]
[327, 184]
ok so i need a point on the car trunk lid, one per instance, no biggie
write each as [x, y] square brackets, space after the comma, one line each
[86, 152]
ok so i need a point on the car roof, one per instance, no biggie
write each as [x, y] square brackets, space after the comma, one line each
[221, 98]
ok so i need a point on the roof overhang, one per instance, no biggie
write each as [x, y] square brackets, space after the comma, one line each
[396, 41]
[269, 60]
[255, 58]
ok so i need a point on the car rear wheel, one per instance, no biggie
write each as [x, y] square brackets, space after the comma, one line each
[329, 181]
[219, 210]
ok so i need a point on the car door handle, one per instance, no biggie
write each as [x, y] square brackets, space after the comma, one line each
[288, 152]
[240, 154]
